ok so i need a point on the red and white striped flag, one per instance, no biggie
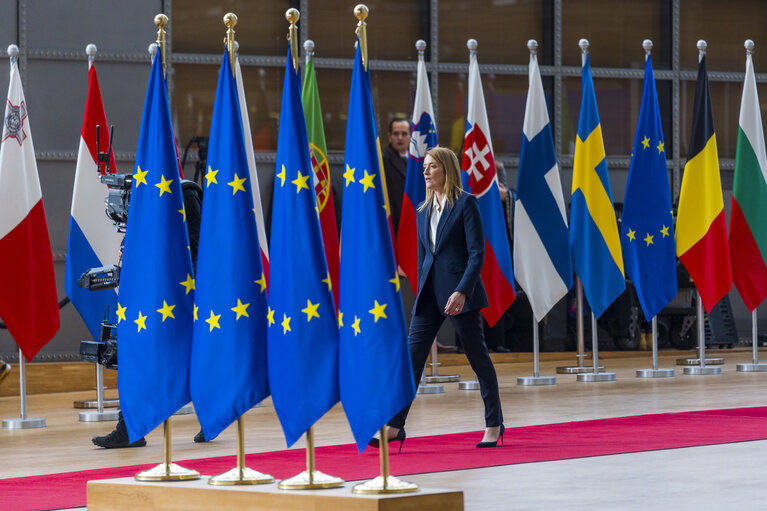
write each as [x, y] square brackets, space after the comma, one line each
[28, 301]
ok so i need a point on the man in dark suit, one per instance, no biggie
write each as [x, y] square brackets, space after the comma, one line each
[395, 166]
[451, 250]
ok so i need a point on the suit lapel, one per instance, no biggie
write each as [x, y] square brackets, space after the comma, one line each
[442, 221]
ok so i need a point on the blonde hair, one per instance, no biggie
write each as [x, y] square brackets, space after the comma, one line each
[447, 159]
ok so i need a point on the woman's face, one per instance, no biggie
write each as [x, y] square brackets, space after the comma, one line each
[433, 174]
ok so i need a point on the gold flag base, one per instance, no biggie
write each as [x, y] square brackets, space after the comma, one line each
[389, 484]
[311, 480]
[167, 472]
[240, 477]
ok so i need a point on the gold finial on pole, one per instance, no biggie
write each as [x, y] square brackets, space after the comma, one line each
[361, 12]
[161, 21]
[292, 15]
[230, 20]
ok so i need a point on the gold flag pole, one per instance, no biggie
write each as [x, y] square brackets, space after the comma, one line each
[161, 21]
[230, 20]
[310, 479]
[240, 475]
[384, 483]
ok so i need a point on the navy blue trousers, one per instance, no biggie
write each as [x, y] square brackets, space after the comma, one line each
[424, 327]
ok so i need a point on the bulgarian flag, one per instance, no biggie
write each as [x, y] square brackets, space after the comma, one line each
[748, 220]
[701, 228]
[28, 302]
[319, 154]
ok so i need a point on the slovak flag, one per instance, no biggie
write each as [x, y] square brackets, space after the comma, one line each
[93, 240]
[479, 177]
[422, 138]
[28, 303]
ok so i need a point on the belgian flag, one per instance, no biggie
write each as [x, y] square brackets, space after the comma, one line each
[701, 229]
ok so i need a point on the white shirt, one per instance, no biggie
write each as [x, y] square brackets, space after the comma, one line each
[437, 208]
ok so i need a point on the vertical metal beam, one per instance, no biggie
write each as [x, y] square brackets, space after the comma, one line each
[434, 49]
[303, 32]
[558, 79]
[166, 10]
[22, 36]
[676, 83]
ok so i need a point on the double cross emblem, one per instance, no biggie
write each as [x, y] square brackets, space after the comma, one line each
[478, 161]
[13, 126]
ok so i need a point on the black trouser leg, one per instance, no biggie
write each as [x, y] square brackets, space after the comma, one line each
[469, 328]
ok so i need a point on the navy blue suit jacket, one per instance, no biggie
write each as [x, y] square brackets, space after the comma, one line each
[459, 251]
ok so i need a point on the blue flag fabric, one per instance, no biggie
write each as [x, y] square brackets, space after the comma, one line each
[303, 327]
[228, 367]
[155, 302]
[647, 227]
[376, 375]
[594, 238]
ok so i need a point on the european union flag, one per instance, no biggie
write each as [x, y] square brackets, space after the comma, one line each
[228, 367]
[594, 238]
[303, 329]
[376, 375]
[155, 303]
[647, 227]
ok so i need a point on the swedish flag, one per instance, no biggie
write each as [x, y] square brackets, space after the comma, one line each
[594, 236]
[376, 375]
[229, 354]
[155, 302]
[647, 227]
[303, 329]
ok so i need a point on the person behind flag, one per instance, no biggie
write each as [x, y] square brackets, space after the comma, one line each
[302, 344]
[647, 227]
[422, 138]
[542, 260]
[395, 162]
[594, 239]
[93, 241]
[480, 178]
[374, 367]
[451, 249]
[319, 153]
[155, 300]
[228, 371]
[701, 228]
[28, 301]
[748, 220]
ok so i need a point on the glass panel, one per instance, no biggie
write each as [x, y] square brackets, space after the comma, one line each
[198, 27]
[724, 26]
[618, 102]
[505, 98]
[332, 24]
[616, 29]
[502, 29]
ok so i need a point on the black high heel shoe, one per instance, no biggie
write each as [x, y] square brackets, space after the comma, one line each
[493, 444]
[374, 442]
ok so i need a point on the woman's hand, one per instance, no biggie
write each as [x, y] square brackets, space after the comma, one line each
[455, 304]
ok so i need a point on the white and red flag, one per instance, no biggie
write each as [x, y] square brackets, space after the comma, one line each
[28, 301]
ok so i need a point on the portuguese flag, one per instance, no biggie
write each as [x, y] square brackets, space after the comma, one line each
[748, 220]
[319, 153]
[701, 228]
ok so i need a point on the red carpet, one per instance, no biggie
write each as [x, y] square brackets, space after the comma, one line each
[436, 453]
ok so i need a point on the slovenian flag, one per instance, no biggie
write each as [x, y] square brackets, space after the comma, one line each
[479, 177]
[93, 240]
[28, 303]
[701, 228]
[748, 220]
[542, 262]
[422, 138]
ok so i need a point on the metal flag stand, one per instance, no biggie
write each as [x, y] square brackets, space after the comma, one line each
[384, 483]
[536, 378]
[581, 355]
[595, 375]
[435, 377]
[310, 479]
[240, 475]
[754, 367]
[22, 422]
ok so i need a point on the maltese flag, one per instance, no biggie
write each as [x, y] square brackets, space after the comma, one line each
[479, 177]
[28, 303]
[93, 240]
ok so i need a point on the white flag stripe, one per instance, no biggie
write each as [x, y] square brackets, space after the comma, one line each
[88, 209]
[532, 266]
[555, 185]
[19, 184]
[477, 114]
[422, 97]
[251, 162]
[536, 112]
[750, 117]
